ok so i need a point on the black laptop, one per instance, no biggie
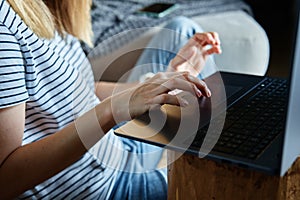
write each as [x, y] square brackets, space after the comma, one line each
[250, 121]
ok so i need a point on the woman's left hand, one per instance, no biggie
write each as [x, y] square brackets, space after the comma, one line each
[193, 55]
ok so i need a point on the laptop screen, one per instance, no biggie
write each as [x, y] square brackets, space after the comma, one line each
[291, 148]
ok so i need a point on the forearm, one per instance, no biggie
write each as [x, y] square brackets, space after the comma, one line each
[106, 89]
[34, 163]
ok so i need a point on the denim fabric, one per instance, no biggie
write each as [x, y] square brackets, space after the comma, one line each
[164, 46]
[141, 179]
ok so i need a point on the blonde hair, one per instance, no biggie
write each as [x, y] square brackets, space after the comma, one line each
[65, 16]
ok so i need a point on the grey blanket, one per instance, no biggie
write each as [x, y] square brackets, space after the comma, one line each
[111, 17]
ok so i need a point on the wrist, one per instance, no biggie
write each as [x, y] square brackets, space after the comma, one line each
[104, 113]
[95, 123]
[145, 77]
[171, 67]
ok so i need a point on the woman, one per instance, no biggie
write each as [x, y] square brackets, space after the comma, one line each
[52, 112]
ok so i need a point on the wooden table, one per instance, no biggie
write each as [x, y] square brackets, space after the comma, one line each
[192, 178]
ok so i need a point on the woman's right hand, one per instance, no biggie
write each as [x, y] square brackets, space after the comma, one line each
[193, 55]
[153, 92]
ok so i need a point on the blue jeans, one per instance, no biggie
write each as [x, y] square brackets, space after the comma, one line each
[142, 179]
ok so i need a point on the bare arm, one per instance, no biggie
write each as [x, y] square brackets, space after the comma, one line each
[106, 89]
[23, 167]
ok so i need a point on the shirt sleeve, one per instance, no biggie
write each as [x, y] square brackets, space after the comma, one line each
[12, 70]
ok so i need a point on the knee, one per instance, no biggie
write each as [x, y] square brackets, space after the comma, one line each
[180, 21]
[184, 25]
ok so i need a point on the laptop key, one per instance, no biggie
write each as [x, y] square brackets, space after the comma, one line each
[251, 125]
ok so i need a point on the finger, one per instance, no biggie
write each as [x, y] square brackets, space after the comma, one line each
[168, 99]
[212, 50]
[200, 84]
[154, 84]
[160, 86]
[187, 83]
[216, 37]
[180, 80]
[204, 39]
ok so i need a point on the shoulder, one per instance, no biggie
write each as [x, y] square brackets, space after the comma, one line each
[12, 22]
[8, 39]
[12, 72]
[4, 7]
[7, 14]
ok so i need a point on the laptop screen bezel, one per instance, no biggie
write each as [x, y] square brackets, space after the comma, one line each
[291, 149]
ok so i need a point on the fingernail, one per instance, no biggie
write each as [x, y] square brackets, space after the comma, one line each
[208, 93]
[199, 93]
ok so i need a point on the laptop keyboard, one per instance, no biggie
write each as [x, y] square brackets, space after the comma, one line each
[254, 123]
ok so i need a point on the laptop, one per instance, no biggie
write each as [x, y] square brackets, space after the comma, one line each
[250, 121]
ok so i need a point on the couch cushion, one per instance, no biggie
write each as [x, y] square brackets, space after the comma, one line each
[244, 43]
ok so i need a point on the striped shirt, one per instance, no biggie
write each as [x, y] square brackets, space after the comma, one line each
[55, 80]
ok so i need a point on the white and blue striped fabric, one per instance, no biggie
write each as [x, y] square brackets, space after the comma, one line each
[55, 80]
